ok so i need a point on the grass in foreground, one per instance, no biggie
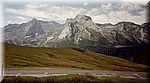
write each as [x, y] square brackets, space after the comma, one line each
[22, 56]
[72, 78]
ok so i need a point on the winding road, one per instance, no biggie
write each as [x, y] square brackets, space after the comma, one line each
[40, 72]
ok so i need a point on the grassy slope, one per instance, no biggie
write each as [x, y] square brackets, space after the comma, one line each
[19, 56]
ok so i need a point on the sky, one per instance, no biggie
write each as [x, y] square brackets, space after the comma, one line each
[101, 11]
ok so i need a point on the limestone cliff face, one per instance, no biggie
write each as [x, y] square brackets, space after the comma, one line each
[123, 33]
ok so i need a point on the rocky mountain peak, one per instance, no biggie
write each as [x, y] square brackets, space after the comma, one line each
[69, 20]
[80, 18]
[34, 28]
[77, 27]
[34, 19]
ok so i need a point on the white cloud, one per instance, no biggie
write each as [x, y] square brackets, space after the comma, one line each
[35, 5]
[26, 12]
[61, 13]
[33, 13]
[144, 2]
[56, 13]
[106, 13]
[93, 11]
[15, 19]
[128, 6]
[118, 16]
[21, 18]
[108, 6]
[9, 22]
[11, 10]
[103, 13]
[85, 3]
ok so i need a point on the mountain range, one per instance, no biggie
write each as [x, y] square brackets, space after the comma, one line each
[81, 32]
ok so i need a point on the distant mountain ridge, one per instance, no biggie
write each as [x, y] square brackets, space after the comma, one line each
[30, 32]
[80, 32]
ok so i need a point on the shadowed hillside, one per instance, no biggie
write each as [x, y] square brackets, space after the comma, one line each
[21, 56]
